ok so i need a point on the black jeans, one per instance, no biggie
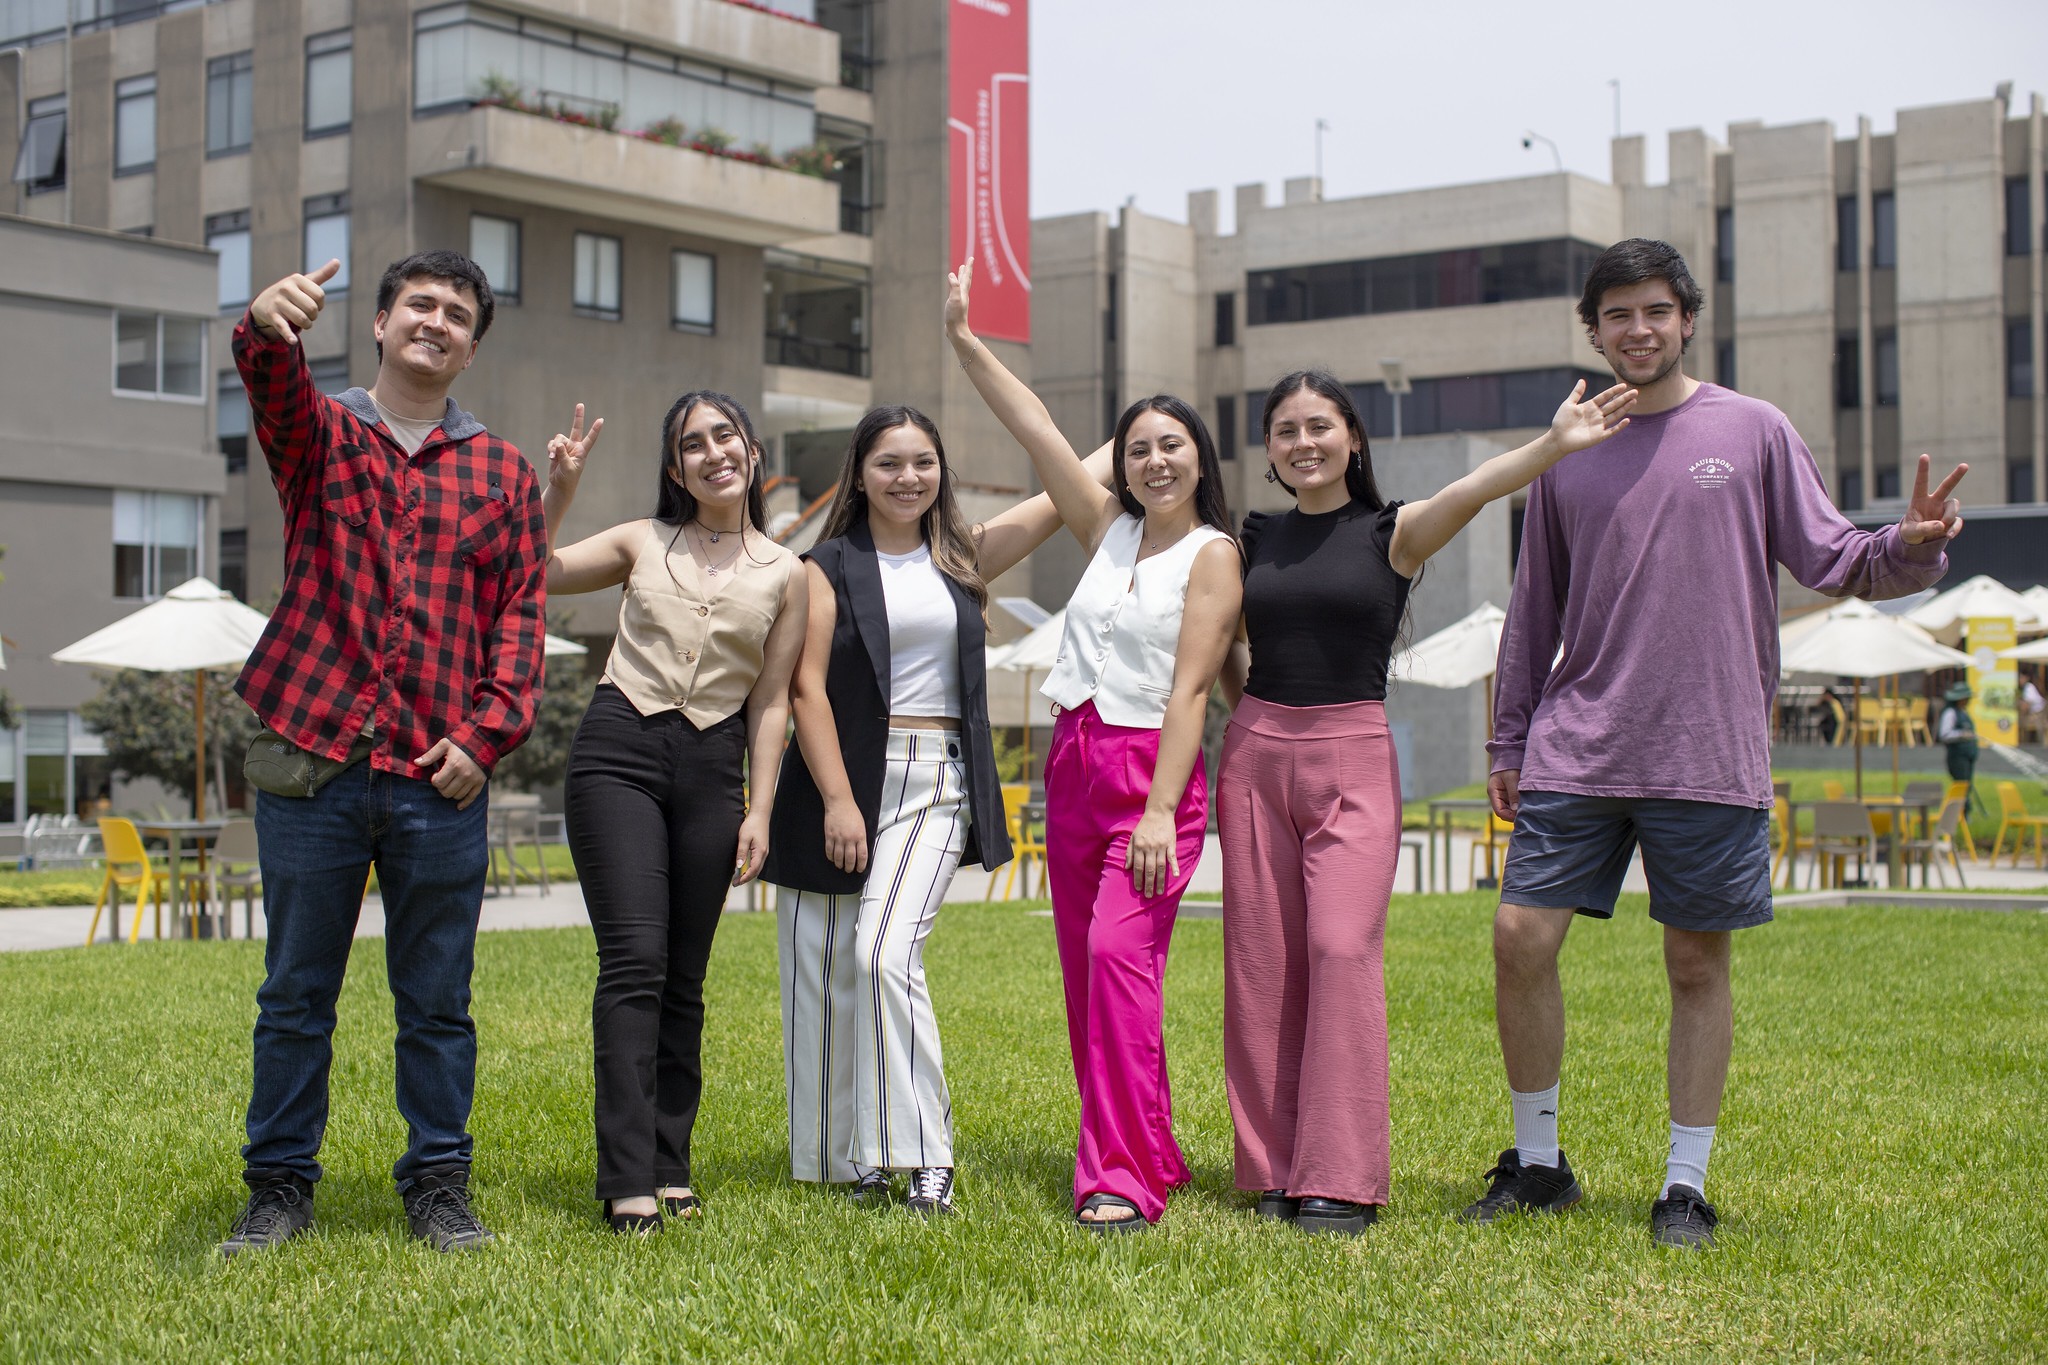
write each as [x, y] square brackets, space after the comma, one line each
[654, 807]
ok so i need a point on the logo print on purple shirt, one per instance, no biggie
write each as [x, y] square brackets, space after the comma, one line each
[1712, 472]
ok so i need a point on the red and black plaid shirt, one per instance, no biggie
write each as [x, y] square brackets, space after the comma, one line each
[413, 587]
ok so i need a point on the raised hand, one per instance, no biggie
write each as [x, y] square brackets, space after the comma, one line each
[1935, 515]
[293, 304]
[566, 453]
[1581, 424]
[957, 284]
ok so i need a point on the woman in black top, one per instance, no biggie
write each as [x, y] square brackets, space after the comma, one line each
[1310, 797]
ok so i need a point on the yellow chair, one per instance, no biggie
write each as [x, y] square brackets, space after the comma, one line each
[1833, 791]
[1791, 843]
[1960, 791]
[1024, 845]
[2013, 815]
[128, 865]
[1496, 841]
[1841, 712]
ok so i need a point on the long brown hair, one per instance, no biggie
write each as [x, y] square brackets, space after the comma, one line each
[944, 529]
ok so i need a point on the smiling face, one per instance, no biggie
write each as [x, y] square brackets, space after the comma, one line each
[1308, 442]
[901, 475]
[1641, 329]
[429, 330]
[712, 457]
[1161, 466]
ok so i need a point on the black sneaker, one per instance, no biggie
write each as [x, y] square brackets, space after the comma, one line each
[931, 1190]
[1339, 1216]
[1683, 1218]
[437, 1206]
[278, 1211]
[871, 1191]
[1525, 1189]
[1276, 1206]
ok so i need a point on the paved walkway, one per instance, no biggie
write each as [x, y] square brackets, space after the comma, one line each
[64, 926]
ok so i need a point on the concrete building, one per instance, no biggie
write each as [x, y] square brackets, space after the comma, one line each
[110, 484]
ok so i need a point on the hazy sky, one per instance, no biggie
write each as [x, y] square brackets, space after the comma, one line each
[1158, 97]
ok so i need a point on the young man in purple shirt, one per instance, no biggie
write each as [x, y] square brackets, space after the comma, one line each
[1648, 574]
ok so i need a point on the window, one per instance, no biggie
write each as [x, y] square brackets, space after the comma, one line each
[231, 421]
[597, 276]
[1848, 376]
[1847, 243]
[156, 542]
[1852, 490]
[2018, 240]
[853, 21]
[1884, 231]
[228, 234]
[816, 313]
[330, 74]
[694, 297]
[1886, 377]
[330, 376]
[1724, 246]
[2019, 358]
[1438, 279]
[230, 103]
[1724, 365]
[40, 162]
[2019, 482]
[234, 563]
[159, 357]
[494, 246]
[1226, 426]
[327, 238]
[1887, 482]
[857, 170]
[1503, 401]
[1226, 318]
[134, 125]
[66, 765]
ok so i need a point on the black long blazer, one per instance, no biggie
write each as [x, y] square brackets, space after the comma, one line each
[857, 685]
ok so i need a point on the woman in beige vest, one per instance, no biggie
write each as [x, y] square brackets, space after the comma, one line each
[662, 817]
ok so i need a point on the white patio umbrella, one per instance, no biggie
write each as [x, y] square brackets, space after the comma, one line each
[193, 627]
[2037, 598]
[1945, 614]
[2033, 651]
[1858, 641]
[554, 647]
[1010, 704]
[1457, 656]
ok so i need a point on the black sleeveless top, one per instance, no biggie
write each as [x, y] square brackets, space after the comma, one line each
[1322, 606]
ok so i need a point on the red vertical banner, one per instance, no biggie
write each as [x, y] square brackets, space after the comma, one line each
[989, 63]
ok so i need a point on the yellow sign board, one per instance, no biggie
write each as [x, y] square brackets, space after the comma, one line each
[1994, 681]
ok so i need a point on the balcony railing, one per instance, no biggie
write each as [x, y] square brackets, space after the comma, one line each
[813, 353]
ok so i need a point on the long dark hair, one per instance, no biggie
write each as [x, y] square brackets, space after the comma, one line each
[675, 503]
[1358, 479]
[1210, 505]
[945, 530]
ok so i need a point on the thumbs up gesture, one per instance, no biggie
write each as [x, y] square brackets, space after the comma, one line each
[290, 306]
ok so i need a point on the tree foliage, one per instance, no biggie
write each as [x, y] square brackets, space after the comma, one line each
[145, 720]
[544, 757]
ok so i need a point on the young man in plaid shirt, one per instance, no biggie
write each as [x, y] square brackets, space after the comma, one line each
[408, 641]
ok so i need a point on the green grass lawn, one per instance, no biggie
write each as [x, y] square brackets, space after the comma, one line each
[1878, 1169]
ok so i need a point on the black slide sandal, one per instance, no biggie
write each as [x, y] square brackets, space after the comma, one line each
[1105, 1226]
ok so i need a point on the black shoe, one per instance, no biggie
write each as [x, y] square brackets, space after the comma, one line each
[278, 1210]
[437, 1206]
[1277, 1206]
[1683, 1218]
[1128, 1219]
[684, 1208]
[1525, 1189]
[871, 1191]
[1335, 1215]
[636, 1224]
[931, 1190]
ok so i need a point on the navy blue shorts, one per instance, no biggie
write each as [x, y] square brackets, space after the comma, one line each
[1708, 865]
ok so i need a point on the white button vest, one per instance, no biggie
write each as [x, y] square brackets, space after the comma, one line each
[1123, 627]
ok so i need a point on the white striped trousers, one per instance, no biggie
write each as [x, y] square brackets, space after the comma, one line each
[867, 1084]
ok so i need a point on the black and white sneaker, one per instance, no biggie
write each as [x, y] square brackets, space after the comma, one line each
[1524, 1189]
[438, 1208]
[871, 1191]
[1683, 1218]
[931, 1190]
[278, 1211]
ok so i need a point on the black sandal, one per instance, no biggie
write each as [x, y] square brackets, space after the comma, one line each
[683, 1207]
[640, 1224]
[1106, 1226]
[1339, 1216]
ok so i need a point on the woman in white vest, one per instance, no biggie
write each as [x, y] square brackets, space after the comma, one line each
[694, 700]
[1127, 800]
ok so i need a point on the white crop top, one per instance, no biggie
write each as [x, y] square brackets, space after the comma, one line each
[1123, 627]
[924, 636]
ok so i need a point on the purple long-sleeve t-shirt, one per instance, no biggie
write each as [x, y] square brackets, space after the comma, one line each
[1649, 559]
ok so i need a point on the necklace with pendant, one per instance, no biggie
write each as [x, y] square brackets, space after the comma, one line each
[703, 533]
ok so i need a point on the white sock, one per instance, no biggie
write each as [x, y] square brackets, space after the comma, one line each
[1687, 1164]
[1536, 1126]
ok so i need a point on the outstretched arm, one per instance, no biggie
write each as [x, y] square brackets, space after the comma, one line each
[1003, 540]
[1424, 527]
[1085, 505]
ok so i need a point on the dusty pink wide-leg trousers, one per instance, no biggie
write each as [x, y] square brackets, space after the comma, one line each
[1309, 808]
[1112, 944]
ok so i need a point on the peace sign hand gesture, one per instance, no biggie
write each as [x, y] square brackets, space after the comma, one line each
[1935, 515]
[566, 454]
[293, 304]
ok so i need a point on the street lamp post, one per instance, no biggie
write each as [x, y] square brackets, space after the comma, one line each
[1396, 375]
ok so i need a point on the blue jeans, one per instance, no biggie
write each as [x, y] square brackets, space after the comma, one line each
[316, 856]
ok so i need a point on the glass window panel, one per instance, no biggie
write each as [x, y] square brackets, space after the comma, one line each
[230, 115]
[2018, 236]
[1884, 232]
[1848, 372]
[597, 273]
[327, 240]
[1724, 245]
[1848, 243]
[1887, 367]
[135, 337]
[175, 519]
[40, 162]
[231, 420]
[330, 376]
[184, 352]
[131, 513]
[1469, 402]
[439, 60]
[135, 124]
[494, 246]
[695, 292]
[234, 266]
[329, 76]
[2019, 359]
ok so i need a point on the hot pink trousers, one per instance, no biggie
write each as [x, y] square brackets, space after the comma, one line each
[1309, 808]
[1112, 944]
